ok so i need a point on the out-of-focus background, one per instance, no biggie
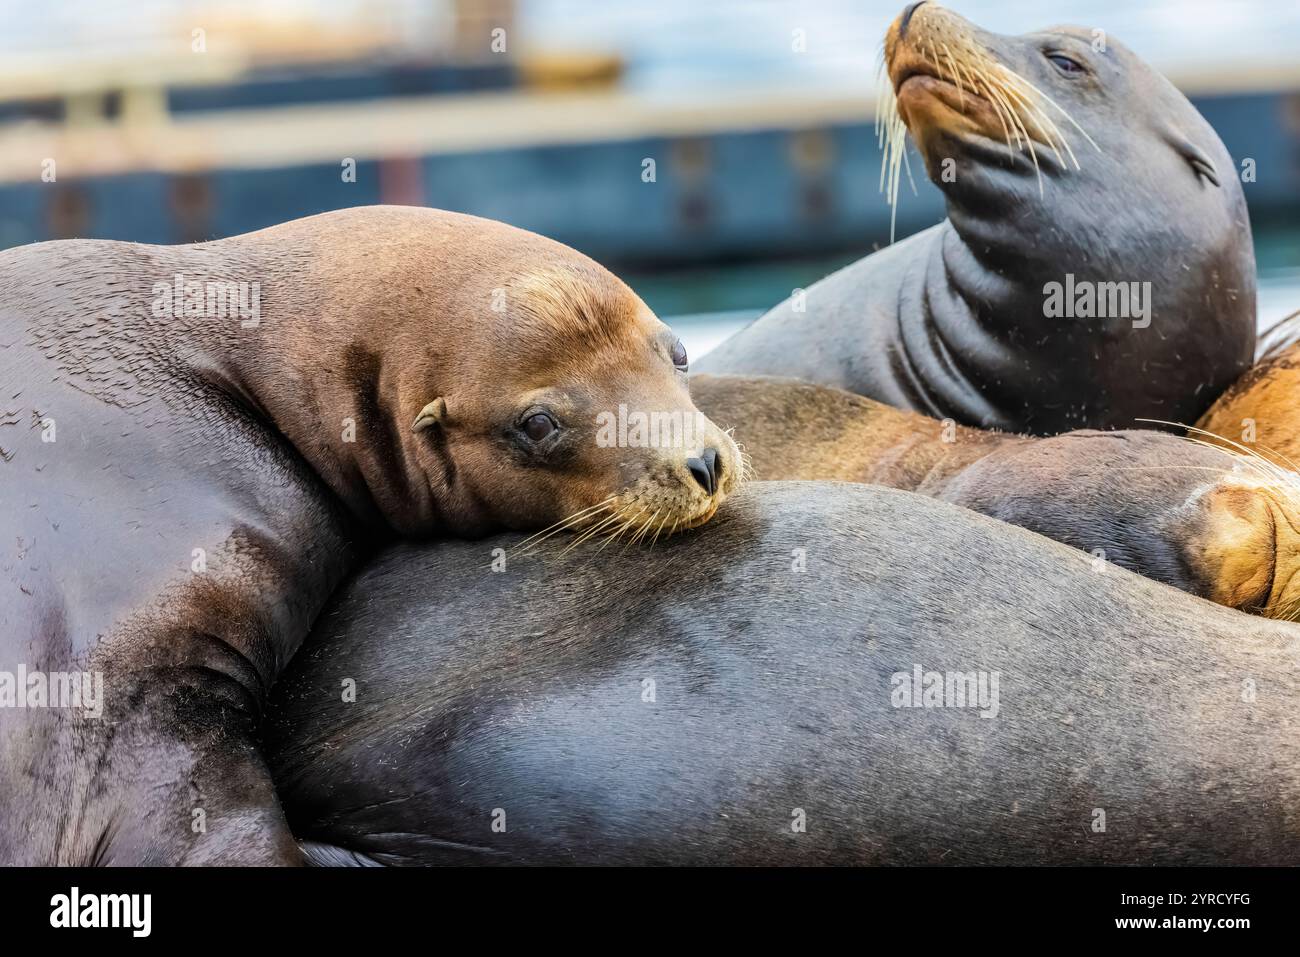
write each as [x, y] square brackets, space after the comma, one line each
[178, 120]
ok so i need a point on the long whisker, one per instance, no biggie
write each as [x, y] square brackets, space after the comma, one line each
[1284, 476]
[1254, 454]
[564, 523]
[645, 527]
[1020, 107]
[1040, 121]
[589, 533]
[1052, 103]
[956, 75]
[618, 533]
[610, 536]
[662, 522]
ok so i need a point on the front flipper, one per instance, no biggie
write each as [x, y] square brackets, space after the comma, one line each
[176, 778]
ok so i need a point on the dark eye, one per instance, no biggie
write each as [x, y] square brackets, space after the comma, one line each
[539, 426]
[1065, 64]
[679, 355]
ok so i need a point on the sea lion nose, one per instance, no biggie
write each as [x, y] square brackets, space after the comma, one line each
[907, 18]
[706, 470]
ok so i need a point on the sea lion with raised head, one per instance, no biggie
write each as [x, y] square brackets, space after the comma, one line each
[1218, 523]
[664, 707]
[199, 442]
[1071, 285]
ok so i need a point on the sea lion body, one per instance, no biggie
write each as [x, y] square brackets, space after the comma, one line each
[1212, 522]
[1059, 293]
[183, 490]
[1261, 410]
[666, 707]
[162, 538]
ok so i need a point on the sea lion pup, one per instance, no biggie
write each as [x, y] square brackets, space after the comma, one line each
[1072, 285]
[664, 707]
[1216, 523]
[186, 479]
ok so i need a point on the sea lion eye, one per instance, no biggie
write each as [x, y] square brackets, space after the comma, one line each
[679, 355]
[538, 426]
[1065, 64]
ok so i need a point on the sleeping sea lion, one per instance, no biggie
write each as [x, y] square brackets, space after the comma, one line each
[1222, 524]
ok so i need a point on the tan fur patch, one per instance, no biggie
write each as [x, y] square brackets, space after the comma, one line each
[585, 307]
[1262, 409]
[1235, 553]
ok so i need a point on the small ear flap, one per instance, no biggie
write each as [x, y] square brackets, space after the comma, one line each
[1198, 158]
[431, 415]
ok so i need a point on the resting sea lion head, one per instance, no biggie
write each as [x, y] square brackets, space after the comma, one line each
[1219, 520]
[480, 372]
[1061, 150]
[571, 406]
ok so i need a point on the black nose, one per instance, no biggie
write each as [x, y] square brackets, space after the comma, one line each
[907, 17]
[706, 470]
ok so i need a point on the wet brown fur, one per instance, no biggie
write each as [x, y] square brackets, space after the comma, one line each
[202, 499]
[1198, 518]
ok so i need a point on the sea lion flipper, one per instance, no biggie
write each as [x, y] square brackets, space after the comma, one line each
[221, 810]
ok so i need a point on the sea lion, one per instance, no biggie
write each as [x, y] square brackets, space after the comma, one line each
[664, 707]
[1217, 523]
[1260, 412]
[200, 442]
[1146, 243]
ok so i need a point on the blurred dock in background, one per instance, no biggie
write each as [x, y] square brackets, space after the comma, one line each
[264, 125]
[268, 123]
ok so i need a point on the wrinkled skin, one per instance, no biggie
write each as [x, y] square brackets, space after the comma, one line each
[772, 683]
[181, 493]
[952, 322]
